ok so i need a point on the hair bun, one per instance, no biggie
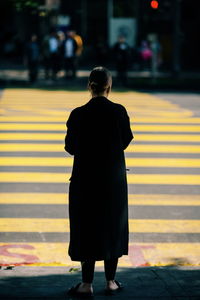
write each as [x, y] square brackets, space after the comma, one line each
[94, 83]
[99, 79]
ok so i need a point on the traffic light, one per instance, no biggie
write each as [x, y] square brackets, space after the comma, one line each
[154, 4]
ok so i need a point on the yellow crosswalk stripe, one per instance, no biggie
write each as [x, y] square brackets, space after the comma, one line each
[62, 225]
[43, 101]
[63, 119]
[167, 137]
[131, 148]
[179, 120]
[166, 128]
[32, 127]
[164, 148]
[136, 127]
[32, 136]
[163, 162]
[130, 162]
[42, 119]
[34, 198]
[54, 110]
[172, 179]
[159, 254]
[133, 199]
[138, 137]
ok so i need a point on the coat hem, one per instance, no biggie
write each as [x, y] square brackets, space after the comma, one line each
[96, 259]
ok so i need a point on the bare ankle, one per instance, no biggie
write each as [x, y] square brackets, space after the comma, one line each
[86, 287]
[111, 285]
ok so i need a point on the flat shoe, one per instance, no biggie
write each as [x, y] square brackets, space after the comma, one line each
[113, 292]
[73, 291]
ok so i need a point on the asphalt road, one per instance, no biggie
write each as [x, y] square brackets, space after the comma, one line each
[164, 177]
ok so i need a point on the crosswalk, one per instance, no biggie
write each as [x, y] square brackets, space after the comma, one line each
[164, 179]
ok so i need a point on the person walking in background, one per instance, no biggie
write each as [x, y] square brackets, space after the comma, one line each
[122, 57]
[50, 51]
[145, 53]
[54, 54]
[32, 58]
[79, 43]
[61, 41]
[97, 135]
[69, 49]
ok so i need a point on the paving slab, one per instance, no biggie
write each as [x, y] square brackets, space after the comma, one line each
[166, 283]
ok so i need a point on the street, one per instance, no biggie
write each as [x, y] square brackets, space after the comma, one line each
[163, 163]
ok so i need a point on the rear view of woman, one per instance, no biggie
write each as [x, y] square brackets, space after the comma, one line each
[97, 135]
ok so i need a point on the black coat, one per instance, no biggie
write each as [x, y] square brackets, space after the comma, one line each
[97, 134]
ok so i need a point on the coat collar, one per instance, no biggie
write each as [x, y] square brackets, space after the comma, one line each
[98, 98]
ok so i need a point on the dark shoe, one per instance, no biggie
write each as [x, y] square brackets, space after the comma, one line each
[110, 292]
[74, 292]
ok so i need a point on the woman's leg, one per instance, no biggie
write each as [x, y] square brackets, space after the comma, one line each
[87, 276]
[110, 267]
[88, 271]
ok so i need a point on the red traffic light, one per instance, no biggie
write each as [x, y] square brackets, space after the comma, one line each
[154, 4]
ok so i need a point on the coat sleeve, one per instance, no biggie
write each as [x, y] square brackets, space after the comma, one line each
[71, 135]
[126, 132]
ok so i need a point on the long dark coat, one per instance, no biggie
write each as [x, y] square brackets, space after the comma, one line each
[97, 134]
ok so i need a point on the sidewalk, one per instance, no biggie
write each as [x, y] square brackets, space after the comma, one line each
[22, 74]
[136, 79]
[155, 283]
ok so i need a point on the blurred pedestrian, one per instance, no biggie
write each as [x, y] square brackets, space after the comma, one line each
[97, 135]
[32, 58]
[79, 49]
[145, 53]
[157, 49]
[79, 42]
[61, 41]
[69, 49]
[50, 52]
[122, 58]
[54, 54]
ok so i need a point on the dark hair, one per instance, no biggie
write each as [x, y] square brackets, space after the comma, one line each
[99, 79]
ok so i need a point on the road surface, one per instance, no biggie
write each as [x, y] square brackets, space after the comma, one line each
[164, 177]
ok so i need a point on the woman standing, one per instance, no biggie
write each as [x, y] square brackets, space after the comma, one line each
[32, 58]
[97, 134]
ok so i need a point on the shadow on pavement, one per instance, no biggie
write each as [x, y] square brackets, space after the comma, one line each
[140, 283]
[80, 83]
[77, 85]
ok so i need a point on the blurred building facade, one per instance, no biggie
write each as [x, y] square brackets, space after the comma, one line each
[174, 23]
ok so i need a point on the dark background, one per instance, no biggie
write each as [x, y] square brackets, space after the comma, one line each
[176, 22]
